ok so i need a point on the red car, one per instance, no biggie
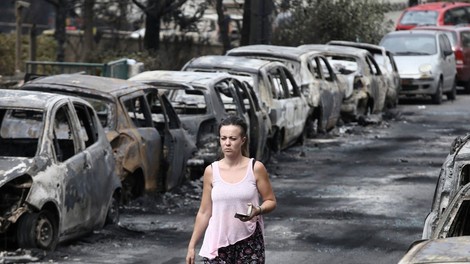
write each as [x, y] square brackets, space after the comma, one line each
[459, 37]
[434, 14]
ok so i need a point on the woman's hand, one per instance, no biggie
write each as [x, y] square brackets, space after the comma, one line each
[190, 257]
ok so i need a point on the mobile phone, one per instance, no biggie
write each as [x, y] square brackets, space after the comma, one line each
[247, 214]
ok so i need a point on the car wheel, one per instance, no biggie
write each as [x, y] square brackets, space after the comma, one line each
[37, 230]
[112, 216]
[453, 93]
[437, 97]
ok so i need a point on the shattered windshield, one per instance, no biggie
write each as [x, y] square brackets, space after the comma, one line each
[20, 132]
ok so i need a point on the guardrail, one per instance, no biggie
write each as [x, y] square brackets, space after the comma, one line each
[115, 69]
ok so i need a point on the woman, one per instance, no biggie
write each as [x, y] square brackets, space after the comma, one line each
[230, 186]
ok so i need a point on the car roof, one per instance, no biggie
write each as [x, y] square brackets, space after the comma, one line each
[372, 48]
[286, 52]
[437, 6]
[28, 99]
[203, 79]
[89, 84]
[460, 27]
[229, 63]
[333, 48]
[415, 31]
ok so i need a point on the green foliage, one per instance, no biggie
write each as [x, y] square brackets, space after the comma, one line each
[46, 48]
[319, 21]
[7, 54]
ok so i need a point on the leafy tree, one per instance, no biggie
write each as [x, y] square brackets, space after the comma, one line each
[319, 21]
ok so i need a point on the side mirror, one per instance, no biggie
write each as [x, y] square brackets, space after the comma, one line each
[448, 52]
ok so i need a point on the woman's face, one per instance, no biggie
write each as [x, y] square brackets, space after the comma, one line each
[231, 140]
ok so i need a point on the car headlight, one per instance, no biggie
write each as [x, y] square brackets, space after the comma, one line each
[425, 70]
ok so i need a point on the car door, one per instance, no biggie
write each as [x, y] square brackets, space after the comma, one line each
[148, 141]
[258, 129]
[75, 170]
[99, 159]
[448, 61]
[378, 87]
[328, 91]
[175, 143]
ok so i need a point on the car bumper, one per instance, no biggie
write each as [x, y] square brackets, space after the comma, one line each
[410, 86]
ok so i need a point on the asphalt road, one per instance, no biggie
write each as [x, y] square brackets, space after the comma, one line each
[357, 195]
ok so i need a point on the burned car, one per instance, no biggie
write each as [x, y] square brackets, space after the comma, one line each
[202, 100]
[367, 87]
[57, 170]
[312, 71]
[386, 61]
[454, 174]
[151, 155]
[449, 240]
[276, 88]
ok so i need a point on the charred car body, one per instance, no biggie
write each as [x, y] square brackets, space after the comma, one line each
[454, 174]
[146, 159]
[202, 100]
[366, 89]
[276, 89]
[449, 239]
[57, 175]
[386, 61]
[312, 71]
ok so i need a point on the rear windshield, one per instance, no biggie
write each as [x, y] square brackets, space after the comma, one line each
[419, 18]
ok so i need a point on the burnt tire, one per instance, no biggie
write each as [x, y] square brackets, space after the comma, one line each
[37, 230]
[112, 216]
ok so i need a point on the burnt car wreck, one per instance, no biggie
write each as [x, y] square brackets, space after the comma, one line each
[57, 178]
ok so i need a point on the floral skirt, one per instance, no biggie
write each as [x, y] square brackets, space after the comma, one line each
[246, 251]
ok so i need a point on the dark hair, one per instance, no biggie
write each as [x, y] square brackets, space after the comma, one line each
[240, 122]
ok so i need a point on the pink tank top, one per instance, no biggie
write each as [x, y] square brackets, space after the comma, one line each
[227, 199]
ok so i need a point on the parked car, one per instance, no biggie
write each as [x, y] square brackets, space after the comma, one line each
[56, 167]
[276, 89]
[454, 175]
[151, 154]
[202, 100]
[426, 63]
[438, 251]
[434, 14]
[317, 80]
[366, 89]
[386, 61]
[459, 37]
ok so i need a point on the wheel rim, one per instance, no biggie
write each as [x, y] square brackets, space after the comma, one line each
[44, 232]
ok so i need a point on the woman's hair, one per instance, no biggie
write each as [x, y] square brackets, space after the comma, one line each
[240, 122]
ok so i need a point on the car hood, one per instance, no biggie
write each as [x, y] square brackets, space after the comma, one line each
[410, 64]
[11, 168]
[445, 250]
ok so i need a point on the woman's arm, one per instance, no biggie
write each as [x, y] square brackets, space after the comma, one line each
[203, 215]
[265, 189]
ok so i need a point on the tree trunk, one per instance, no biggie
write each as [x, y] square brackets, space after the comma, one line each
[88, 24]
[61, 8]
[224, 24]
[246, 25]
[152, 25]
